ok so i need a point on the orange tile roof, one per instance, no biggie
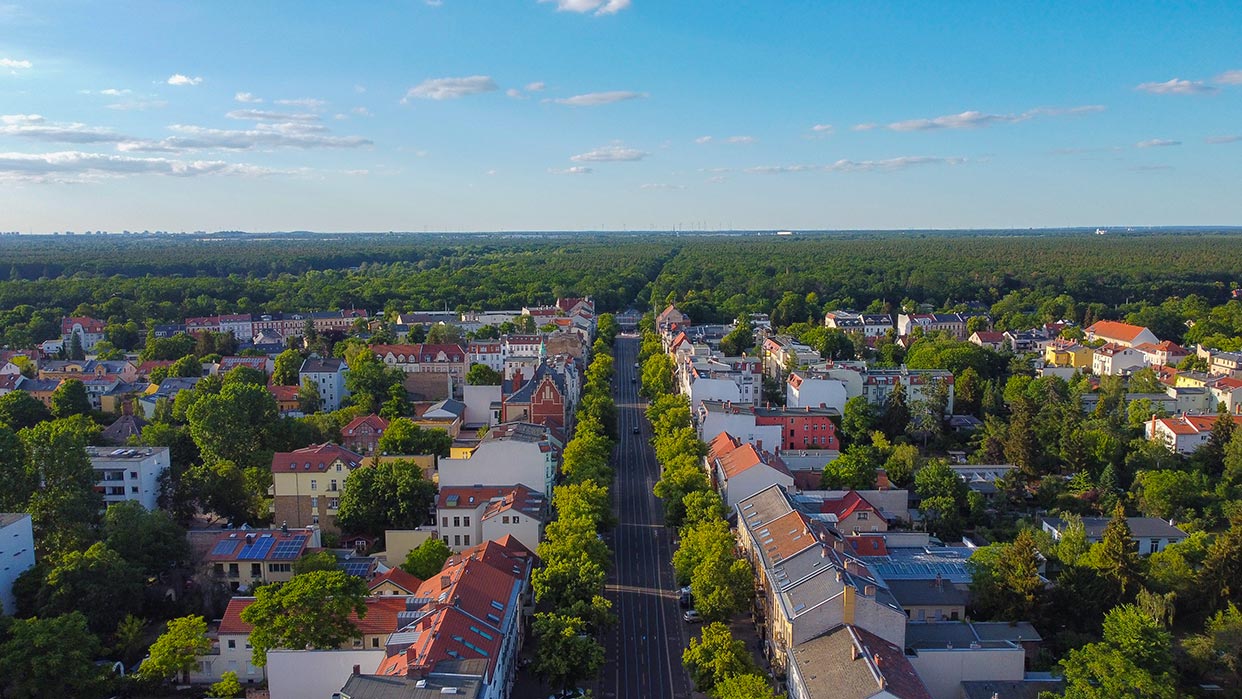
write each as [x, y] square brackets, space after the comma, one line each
[398, 577]
[506, 554]
[867, 545]
[319, 456]
[787, 536]
[1193, 424]
[1114, 330]
[746, 457]
[722, 444]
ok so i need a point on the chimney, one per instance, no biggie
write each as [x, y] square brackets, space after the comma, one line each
[869, 590]
[876, 659]
[881, 480]
[445, 581]
[357, 669]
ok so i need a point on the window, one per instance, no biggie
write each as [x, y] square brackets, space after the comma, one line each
[465, 521]
[334, 503]
[314, 484]
[445, 537]
[375, 641]
[332, 483]
[338, 468]
[467, 540]
[219, 569]
[862, 515]
[457, 521]
[133, 489]
[232, 643]
[279, 567]
[314, 519]
[444, 522]
[504, 520]
[133, 475]
[314, 502]
[256, 570]
[457, 539]
[233, 570]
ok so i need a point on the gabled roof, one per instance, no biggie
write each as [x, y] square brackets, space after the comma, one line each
[520, 499]
[746, 457]
[398, 577]
[322, 365]
[1144, 527]
[381, 616]
[469, 497]
[506, 554]
[722, 444]
[1192, 424]
[125, 427]
[1113, 330]
[316, 457]
[848, 505]
[375, 422]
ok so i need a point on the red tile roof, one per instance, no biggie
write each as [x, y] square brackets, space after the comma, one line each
[522, 499]
[722, 444]
[397, 576]
[848, 505]
[505, 554]
[376, 423]
[469, 496]
[867, 545]
[1193, 424]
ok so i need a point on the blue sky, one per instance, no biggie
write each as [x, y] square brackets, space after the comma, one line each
[617, 114]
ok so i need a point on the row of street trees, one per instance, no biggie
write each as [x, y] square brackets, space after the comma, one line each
[721, 584]
[569, 588]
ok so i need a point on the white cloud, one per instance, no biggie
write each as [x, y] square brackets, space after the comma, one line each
[740, 139]
[703, 139]
[599, 7]
[433, 3]
[114, 92]
[1223, 139]
[491, 173]
[536, 86]
[515, 93]
[865, 127]
[1230, 77]
[246, 98]
[575, 170]
[21, 119]
[304, 103]
[182, 80]
[361, 111]
[610, 154]
[975, 119]
[717, 179]
[13, 65]
[1156, 143]
[36, 128]
[822, 128]
[888, 165]
[1177, 86]
[138, 105]
[451, 88]
[360, 89]
[661, 186]
[289, 135]
[595, 99]
[261, 115]
[67, 166]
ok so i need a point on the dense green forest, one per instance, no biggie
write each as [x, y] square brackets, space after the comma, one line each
[163, 279]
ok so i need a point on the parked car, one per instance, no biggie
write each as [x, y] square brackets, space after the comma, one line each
[636, 430]
[685, 600]
[691, 616]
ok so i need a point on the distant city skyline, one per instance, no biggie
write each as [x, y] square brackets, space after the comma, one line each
[448, 115]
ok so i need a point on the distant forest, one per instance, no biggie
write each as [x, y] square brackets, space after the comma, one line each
[162, 279]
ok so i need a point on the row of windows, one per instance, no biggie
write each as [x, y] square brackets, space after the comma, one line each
[256, 569]
[332, 485]
[457, 539]
[333, 503]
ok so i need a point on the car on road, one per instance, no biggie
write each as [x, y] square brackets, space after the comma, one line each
[685, 600]
[569, 694]
[691, 616]
[637, 430]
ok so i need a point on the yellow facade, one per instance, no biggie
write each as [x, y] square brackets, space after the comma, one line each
[1076, 356]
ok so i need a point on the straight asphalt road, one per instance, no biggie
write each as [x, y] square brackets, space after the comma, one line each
[643, 650]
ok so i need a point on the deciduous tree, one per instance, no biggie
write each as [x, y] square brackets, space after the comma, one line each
[311, 610]
[427, 559]
[175, 653]
[716, 656]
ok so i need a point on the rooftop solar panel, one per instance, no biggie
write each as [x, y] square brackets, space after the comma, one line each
[288, 549]
[358, 569]
[257, 550]
[225, 547]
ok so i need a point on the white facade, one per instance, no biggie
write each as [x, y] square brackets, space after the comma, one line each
[230, 653]
[526, 529]
[741, 425]
[1115, 361]
[750, 481]
[502, 461]
[297, 674]
[329, 377]
[482, 405]
[125, 474]
[812, 392]
[17, 555]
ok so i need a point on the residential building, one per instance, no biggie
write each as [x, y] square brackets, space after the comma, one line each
[1116, 360]
[288, 403]
[987, 339]
[482, 405]
[489, 353]
[41, 389]
[509, 454]
[1150, 534]
[543, 400]
[853, 514]
[775, 428]
[947, 655]
[671, 317]
[1227, 391]
[869, 324]
[808, 583]
[952, 323]
[307, 484]
[240, 325]
[129, 474]
[125, 428]
[739, 470]
[982, 478]
[17, 555]
[1124, 334]
[362, 434]
[1183, 434]
[878, 384]
[1167, 353]
[1226, 364]
[733, 379]
[394, 581]
[468, 516]
[782, 352]
[932, 600]
[1022, 341]
[89, 331]
[1067, 353]
[849, 662]
[327, 374]
[243, 558]
[811, 388]
[227, 364]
